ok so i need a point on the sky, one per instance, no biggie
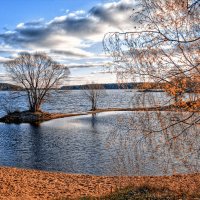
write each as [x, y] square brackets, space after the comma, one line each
[70, 31]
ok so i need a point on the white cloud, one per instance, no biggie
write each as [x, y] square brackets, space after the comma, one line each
[20, 25]
[4, 59]
[71, 36]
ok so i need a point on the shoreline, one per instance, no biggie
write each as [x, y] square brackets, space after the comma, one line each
[30, 184]
[38, 117]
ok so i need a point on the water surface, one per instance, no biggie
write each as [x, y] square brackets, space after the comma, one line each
[112, 143]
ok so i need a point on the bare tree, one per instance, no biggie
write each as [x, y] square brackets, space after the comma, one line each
[168, 40]
[37, 73]
[163, 49]
[93, 92]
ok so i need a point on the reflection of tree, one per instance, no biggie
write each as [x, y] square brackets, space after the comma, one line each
[93, 120]
[36, 147]
[140, 152]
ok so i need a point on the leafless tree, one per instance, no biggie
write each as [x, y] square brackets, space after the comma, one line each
[37, 73]
[93, 92]
[163, 49]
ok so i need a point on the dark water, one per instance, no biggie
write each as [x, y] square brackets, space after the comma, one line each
[75, 101]
[105, 144]
[91, 145]
[76, 145]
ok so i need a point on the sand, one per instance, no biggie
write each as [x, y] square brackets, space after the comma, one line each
[23, 184]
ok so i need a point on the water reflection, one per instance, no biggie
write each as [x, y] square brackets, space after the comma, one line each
[72, 145]
[93, 121]
[143, 145]
[99, 144]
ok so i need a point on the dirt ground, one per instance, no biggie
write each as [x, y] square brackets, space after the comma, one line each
[22, 184]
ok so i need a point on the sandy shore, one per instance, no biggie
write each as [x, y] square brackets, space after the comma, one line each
[31, 184]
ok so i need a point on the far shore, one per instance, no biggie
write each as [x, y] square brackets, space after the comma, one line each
[38, 117]
[33, 184]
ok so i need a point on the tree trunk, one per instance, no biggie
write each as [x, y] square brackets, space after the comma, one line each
[35, 108]
[93, 105]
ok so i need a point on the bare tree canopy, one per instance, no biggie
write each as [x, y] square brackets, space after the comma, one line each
[93, 92]
[37, 73]
[168, 40]
[164, 49]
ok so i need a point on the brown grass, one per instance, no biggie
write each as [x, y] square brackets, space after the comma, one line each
[31, 184]
[37, 117]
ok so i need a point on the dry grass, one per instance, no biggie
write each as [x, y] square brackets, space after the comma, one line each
[31, 184]
[145, 193]
[37, 117]
[29, 117]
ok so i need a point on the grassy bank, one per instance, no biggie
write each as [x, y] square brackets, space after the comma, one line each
[145, 193]
[31, 184]
[38, 117]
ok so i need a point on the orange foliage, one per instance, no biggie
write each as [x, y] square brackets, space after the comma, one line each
[177, 87]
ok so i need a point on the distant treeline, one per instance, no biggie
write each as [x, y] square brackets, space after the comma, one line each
[6, 86]
[145, 86]
[140, 85]
[108, 86]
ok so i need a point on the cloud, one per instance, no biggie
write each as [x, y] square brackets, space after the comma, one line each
[70, 53]
[73, 37]
[76, 78]
[3, 60]
[79, 24]
[112, 12]
[87, 65]
[4, 78]
[102, 72]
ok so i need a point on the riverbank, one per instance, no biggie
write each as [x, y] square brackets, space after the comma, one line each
[38, 117]
[31, 184]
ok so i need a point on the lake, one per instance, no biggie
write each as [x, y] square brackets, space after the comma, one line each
[75, 101]
[111, 143]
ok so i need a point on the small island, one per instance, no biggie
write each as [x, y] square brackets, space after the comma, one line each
[34, 117]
